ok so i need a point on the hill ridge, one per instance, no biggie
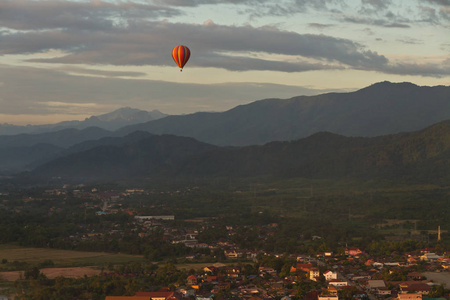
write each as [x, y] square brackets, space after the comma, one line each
[403, 156]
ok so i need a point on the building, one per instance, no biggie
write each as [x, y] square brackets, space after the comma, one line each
[376, 284]
[165, 218]
[148, 296]
[160, 295]
[314, 273]
[430, 257]
[191, 280]
[418, 288]
[337, 282]
[327, 297]
[353, 251]
[330, 275]
[413, 296]
[127, 298]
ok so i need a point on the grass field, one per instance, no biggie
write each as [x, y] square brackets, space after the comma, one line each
[61, 258]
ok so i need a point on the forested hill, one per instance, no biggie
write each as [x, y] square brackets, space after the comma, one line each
[380, 109]
[422, 156]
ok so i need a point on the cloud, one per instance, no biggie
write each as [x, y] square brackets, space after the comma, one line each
[440, 2]
[368, 31]
[424, 69]
[129, 33]
[390, 14]
[98, 15]
[381, 22]
[444, 12]
[148, 43]
[410, 41]
[59, 104]
[428, 14]
[54, 92]
[258, 7]
[83, 71]
[319, 26]
[444, 9]
[374, 6]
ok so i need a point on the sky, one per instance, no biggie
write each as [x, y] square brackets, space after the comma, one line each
[68, 60]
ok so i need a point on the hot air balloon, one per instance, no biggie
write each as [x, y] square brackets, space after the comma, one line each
[181, 55]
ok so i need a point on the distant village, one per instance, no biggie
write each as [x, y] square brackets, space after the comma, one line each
[353, 274]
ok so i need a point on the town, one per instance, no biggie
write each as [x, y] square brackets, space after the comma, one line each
[228, 258]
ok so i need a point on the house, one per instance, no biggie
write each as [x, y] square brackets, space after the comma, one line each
[255, 298]
[353, 251]
[304, 267]
[249, 291]
[204, 296]
[328, 297]
[413, 296]
[187, 292]
[191, 280]
[430, 257]
[418, 288]
[414, 276]
[233, 272]
[225, 285]
[210, 269]
[267, 270]
[376, 284]
[337, 282]
[160, 295]
[314, 273]
[330, 275]
[233, 253]
[332, 290]
[383, 291]
[325, 254]
[412, 260]
[211, 278]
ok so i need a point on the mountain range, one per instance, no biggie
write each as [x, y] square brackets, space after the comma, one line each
[421, 156]
[378, 111]
[110, 121]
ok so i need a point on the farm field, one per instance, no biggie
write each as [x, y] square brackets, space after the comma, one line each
[53, 273]
[15, 255]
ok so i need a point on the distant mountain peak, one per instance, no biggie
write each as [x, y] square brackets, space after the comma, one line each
[385, 84]
[127, 114]
[110, 121]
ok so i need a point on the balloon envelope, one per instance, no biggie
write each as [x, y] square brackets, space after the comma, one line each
[181, 55]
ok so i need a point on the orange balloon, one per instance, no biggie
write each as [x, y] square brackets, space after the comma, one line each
[180, 55]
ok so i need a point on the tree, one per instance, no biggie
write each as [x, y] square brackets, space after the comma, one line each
[32, 273]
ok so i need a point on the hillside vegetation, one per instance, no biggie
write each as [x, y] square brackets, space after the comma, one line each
[421, 156]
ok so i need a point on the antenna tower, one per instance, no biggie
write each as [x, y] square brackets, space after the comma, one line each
[439, 233]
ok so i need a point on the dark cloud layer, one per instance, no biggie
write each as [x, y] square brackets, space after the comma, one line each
[150, 42]
[130, 33]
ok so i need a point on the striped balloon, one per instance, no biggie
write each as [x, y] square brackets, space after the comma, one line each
[181, 55]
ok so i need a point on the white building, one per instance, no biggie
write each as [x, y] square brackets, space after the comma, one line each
[337, 282]
[314, 273]
[430, 257]
[330, 275]
[328, 297]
